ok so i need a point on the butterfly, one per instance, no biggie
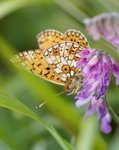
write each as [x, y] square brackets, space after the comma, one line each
[55, 59]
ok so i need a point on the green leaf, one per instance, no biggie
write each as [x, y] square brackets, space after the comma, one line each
[100, 143]
[76, 13]
[4, 146]
[87, 135]
[114, 143]
[107, 47]
[7, 7]
[57, 104]
[13, 104]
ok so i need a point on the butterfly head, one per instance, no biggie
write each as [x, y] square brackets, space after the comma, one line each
[73, 85]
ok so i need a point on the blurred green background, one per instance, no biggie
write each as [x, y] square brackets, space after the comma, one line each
[22, 126]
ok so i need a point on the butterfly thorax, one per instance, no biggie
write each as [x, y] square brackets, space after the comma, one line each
[73, 85]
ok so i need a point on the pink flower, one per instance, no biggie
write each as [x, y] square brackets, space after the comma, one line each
[106, 26]
[96, 68]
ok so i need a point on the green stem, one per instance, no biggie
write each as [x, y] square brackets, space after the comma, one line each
[114, 115]
[71, 10]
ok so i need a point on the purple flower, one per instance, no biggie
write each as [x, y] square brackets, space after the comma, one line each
[96, 68]
[106, 26]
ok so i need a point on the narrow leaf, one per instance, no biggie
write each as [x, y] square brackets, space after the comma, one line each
[13, 104]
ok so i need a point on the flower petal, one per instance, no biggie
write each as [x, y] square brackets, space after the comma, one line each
[105, 124]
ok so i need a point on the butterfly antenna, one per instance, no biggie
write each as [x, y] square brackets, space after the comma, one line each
[40, 105]
[60, 93]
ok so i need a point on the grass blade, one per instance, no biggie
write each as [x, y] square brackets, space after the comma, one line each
[13, 104]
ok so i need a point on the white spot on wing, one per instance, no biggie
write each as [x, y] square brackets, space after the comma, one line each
[55, 46]
[62, 45]
[63, 61]
[49, 60]
[49, 49]
[46, 53]
[73, 63]
[57, 70]
[31, 54]
[75, 45]
[72, 72]
[69, 44]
